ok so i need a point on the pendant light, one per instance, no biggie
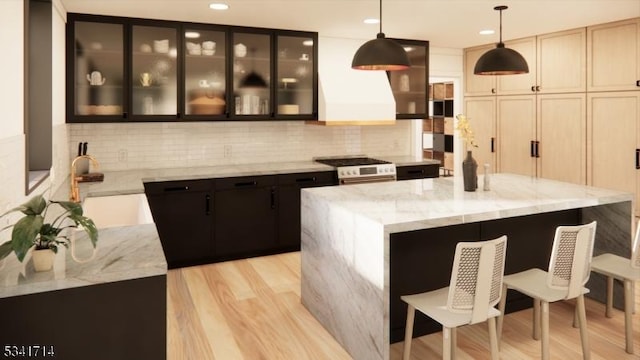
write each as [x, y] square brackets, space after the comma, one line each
[501, 60]
[380, 54]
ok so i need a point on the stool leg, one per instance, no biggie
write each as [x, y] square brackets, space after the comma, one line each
[544, 317]
[536, 319]
[575, 316]
[628, 312]
[408, 333]
[501, 307]
[446, 343]
[454, 342]
[493, 339]
[609, 309]
[584, 333]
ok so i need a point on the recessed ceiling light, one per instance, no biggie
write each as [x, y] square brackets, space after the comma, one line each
[218, 6]
[487, 32]
[308, 42]
[192, 34]
[408, 48]
[371, 21]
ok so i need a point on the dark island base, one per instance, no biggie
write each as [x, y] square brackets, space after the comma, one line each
[421, 260]
[120, 320]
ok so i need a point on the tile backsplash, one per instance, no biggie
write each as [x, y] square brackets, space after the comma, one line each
[171, 145]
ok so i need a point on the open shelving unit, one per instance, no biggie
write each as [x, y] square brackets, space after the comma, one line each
[438, 128]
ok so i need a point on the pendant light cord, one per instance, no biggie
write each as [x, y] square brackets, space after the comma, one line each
[380, 16]
[500, 25]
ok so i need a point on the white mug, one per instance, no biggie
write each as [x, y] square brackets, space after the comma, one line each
[145, 79]
[208, 45]
[240, 50]
[203, 83]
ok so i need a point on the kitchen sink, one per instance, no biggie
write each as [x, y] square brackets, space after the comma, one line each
[118, 210]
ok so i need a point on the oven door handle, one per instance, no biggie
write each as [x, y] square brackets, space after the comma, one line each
[369, 179]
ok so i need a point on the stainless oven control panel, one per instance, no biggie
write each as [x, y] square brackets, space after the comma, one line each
[381, 172]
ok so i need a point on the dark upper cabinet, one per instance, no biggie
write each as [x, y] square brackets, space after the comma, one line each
[411, 87]
[96, 76]
[125, 69]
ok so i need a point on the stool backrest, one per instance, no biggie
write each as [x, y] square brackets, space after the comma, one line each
[476, 277]
[570, 263]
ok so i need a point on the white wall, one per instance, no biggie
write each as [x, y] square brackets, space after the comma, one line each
[12, 140]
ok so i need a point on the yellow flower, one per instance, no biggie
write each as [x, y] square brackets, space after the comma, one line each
[465, 130]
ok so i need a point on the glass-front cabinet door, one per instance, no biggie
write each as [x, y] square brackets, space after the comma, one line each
[410, 87]
[154, 71]
[97, 70]
[205, 73]
[251, 75]
[295, 75]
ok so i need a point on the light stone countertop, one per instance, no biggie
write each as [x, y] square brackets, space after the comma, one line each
[426, 203]
[135, 251]
[123, 253]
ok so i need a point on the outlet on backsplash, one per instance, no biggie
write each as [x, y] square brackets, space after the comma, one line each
[122, 155]
[228, 151]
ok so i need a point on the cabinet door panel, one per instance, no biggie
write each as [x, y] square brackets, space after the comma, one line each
[520, 84]
[98, 70]
[183, 214]
[154, 70]
[516, 131]
[562, 62]
[613, 56]
[476, 85]
[613, 140]
[562, 136]
[296, 78]
[481, 112]
[251, 74]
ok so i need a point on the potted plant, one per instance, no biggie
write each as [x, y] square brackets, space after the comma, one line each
[32, 230]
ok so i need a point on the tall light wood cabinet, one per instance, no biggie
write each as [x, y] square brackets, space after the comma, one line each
[477, 85]
[483, 123]
[561, 62]
[516, 120]
[522, 83]
[543, 136]
[613, 145]
[613, 56]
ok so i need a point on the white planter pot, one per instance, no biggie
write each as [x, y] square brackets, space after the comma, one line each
[43, 259]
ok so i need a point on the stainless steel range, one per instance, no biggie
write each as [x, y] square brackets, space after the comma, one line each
[360, 169]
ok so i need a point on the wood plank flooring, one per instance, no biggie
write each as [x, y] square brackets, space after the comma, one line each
[250, 309]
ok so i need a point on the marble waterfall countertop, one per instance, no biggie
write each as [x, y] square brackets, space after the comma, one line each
[426, 203]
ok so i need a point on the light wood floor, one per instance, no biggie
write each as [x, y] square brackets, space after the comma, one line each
[250, 309]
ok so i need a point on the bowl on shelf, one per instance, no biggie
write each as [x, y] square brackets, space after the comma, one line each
[205, 105]
[288, 109]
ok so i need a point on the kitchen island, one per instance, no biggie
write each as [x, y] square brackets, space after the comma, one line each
[363, 246]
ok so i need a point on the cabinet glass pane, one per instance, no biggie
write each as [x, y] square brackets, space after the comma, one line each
[295, 75]
[204, 69]
[251, 73]
[99, 63]
[408, 86]
[154, 71]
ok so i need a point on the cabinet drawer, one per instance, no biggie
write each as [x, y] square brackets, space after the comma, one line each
[245, 182]
[309, 179]
[417, 172]
[164, 187]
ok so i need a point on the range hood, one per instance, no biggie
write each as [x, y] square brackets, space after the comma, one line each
[347, 96]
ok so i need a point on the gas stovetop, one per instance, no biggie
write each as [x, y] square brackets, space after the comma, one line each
[351, 161]
[358, 169]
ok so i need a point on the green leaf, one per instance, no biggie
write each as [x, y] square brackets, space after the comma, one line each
[88, 225]
[35, 205]
[5, 249]
[73, 207]
[24, 234]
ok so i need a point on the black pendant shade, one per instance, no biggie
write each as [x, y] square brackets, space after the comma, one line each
[501, 60]
[380, 54]
[253, 80]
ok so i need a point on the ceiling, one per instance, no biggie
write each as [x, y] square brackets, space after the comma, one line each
[445, 23]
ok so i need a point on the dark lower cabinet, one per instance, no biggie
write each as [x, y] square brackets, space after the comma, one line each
[183, 213]
[246, 210]
[289, 186]
[410, 172]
